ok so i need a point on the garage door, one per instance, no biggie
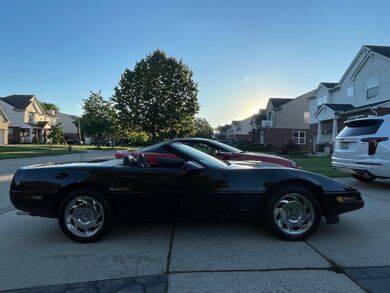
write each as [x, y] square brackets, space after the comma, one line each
[2, 139]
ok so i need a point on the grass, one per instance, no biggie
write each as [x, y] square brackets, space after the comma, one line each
[26, 151]
[321, 165]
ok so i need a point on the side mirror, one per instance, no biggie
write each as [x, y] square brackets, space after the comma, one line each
[192, 166]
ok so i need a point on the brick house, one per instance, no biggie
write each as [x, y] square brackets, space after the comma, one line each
[285, 121]
[364, 89]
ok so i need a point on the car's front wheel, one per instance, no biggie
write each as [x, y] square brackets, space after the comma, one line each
[84, 216]
[294, 212]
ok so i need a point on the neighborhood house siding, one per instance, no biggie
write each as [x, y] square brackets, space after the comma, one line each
[291, 114]
[375, 66]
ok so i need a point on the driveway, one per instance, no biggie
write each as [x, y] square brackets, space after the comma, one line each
[217, 256]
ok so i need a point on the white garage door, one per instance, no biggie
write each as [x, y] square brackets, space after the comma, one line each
[2, 132]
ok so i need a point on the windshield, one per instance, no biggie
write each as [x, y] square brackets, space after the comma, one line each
[361, 127]
[224, 147]
[198, 156]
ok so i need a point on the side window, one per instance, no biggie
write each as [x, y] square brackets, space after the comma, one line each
[200, 146]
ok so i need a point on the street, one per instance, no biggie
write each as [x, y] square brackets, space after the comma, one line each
[197, 256]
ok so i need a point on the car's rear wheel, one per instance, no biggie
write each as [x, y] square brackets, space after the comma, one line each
[85, 216]
[363, 178]
[294, 212]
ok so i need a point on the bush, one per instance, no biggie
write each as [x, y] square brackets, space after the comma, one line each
[291, 149]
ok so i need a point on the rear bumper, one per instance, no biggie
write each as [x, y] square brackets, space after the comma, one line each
[373, 168]
[335, 207]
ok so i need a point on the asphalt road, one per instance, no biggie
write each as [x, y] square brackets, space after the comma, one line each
[217, 256]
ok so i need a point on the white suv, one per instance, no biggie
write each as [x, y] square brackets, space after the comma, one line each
[362, 148]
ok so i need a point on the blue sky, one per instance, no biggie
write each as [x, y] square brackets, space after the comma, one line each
[241, 52]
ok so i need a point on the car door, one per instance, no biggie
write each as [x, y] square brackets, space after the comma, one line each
[147, 190]
[206, 191]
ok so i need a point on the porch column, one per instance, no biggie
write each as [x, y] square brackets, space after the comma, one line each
[334, 129]
[319, 132]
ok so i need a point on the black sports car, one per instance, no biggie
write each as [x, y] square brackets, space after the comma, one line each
[86, 196]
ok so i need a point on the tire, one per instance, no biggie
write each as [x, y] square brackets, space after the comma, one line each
[92, 211]
[297, 200]
[363, 179]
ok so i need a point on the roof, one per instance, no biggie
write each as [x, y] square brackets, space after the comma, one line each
[382, 50]
[340, 107]
[329, 85]
[278, 102]
[368, 106]
[18, 101]
[4, 114]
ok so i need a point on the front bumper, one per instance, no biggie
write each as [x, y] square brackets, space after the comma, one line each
[334, 207]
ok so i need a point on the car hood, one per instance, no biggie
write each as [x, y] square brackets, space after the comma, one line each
[268, 158]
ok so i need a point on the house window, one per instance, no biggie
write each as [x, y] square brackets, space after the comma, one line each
[350, 91]
[322, 100]
[372, 86]
[306, 117]
[30, 117]
[299, 137]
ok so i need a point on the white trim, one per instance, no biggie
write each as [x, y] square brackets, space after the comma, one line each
[299, 136]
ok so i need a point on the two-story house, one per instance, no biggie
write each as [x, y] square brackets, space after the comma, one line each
[28, 121]
[4, 121]
[364, 89]
[285, 121]
[69, 126]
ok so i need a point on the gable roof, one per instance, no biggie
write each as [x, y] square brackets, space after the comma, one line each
[277, 102]
[18, 101]
[2, 112]
[340, 107]
[329, 85]
[382, 50]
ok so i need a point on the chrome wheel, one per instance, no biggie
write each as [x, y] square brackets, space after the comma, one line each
[84, 216]
[294, 214]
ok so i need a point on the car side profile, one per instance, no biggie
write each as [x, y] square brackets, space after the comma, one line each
[86, 197]
[362, 148]
[212, 147]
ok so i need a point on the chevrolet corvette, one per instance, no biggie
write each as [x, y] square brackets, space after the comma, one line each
[86, 197]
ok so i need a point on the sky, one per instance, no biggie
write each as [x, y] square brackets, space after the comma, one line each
[241, 52]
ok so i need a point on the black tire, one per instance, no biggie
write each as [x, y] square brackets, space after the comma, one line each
[303, 193]
[107, 216]
[363, 179]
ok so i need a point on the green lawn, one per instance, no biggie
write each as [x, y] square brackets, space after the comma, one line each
[25, 151]
[321, 165]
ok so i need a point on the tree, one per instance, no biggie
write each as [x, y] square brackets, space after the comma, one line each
[49, 106]
[203, 128]
[158, 97]
[98, 117]
[56, 134]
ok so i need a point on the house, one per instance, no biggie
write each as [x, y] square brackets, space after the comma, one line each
[28, 121]
[240, 130]
[69, 128]
[4, 122]
[285, 121]
[364, 89]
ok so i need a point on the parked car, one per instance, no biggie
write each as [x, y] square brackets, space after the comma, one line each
[362, 148]
[212, 147]
[86, 196]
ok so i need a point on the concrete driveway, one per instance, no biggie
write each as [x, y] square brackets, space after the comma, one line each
[217, 256]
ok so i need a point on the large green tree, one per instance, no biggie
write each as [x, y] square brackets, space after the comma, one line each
[158, 97]
[202, 128]
[49, 106]
[98, 119]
